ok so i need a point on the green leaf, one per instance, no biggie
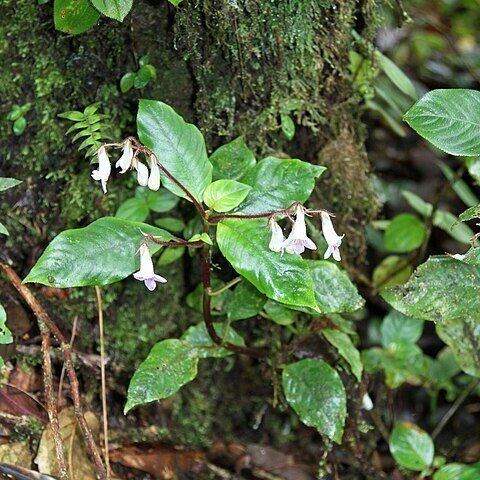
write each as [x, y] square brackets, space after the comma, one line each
[411, 447]
[198, 337]
[225, 195]
[472, 472]
[133, 209]
[282, 278]
[103, 252]
[73, 116]
[116, 9]
[451, 471]
[232, 160]
[395, 74]
[470, 214]
[19, 126]
[346, 349]
[171, 224]
[246, 302]
[161, 201]
[460, 187]
[288, 127]
[391, 271]
[74, 16]
[277, 183]
[405, 233]
[314, 390]
[6, 183]
[175, 2]
[445, 290]
[170, 364]
[218, 302]
[3, 229]
[144, 60]
[5, 333]
[204, 237]
[127, 81]
[279, 313]
[14, 113]
[143, 77]
[178, 145]
[170, 255]
[449, 119]
[397, 327]
[473, 166]
[417, 203]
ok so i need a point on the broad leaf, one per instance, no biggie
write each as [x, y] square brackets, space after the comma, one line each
[103, 252]
[451, 471]
[116, 9]
[5, 333]
[404, 233]
[279, 313]
[134, 209]
[280, 277]
[178, 145]
[161, 201]
[225, 195]
[198, 337]
[450, 119]
[170, 365]
[397, 327]
[411, 447]
[170, 255]
[446, 290]
[314, 390]
[246, 302]
[346, 349]
[127, 81]
[470, 214]
[277, 183]
[172, 224]
[6, 183]
[74, 16]
[232, 160]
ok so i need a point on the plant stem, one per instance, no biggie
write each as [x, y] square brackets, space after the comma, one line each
[43, 317]
[228, 285]
[174, 243]
[283, 211]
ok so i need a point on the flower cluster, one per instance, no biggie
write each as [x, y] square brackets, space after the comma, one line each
[128, 160]
[298, 240]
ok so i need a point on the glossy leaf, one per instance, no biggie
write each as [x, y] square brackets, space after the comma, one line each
[225, 195]
[232, 160]
[397, 327]
[144, 75]
[170, 365]
[404, 233]
[74, 16]
[103, 252]
[19, 126]
[450, 119]
[161, 201]
[280, 277]
[411, 447]
[314, 390]
[170, 255]
[346, 349]
[116, 9]
[5, 334]
[6, 183]
[171, 224]
[451, 471]
[246, 302]
[178, 145]
[133, 209]
[127, 81]
[198, 337]
[277, 183]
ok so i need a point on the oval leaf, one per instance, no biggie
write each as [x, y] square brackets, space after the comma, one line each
[74, 16]
[170, 364]
[450, 119]
[314, 390]
[232, 160]
[134, 209]
[116, 9]
[127, 81]
[277, 183]
[224, 195]
[280, 277]
[397, 327]
[178, 145]
[246, 302]
[102, 253]
[411, 447]
[405, 233]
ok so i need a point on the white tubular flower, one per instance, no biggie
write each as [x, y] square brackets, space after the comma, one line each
[125, 161]
[104, 168]
[367, 403]
[334, 241]
[142, 173]
[298, 240]
[276, 242]
[146, 273]
[154, 178]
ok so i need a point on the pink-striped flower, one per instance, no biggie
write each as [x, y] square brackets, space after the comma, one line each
[146, 273]
[297, 241]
